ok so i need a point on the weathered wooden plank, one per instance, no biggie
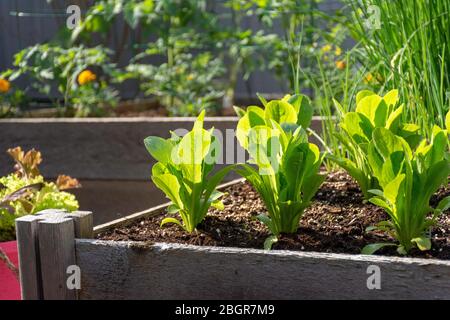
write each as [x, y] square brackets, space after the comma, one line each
[57, 253]
[112, 199]
[46, 243]
[107, 155]
[110, 148]
[135, 270]
[28, 250]
[127, 220]
[83, 224]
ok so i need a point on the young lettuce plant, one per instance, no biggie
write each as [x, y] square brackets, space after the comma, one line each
[372, 111]
[287, 174]
[183, 173]
[407, 180]
[26, 192]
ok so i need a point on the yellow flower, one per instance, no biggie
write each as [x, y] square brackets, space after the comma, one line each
[190, 77]
[340, 64]
[338, 51]
[368, 78]
[326, 48]
[5, 85]
[85, 77]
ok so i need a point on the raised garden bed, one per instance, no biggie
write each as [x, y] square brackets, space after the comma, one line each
[169, 264]
[107, 155]
[335, 223]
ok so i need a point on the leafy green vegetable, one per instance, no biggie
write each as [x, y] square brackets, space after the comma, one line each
[407, 180]
[372, 111]
[184, 173]
[52, 66]
[185, 86]
[25, 191]
[372, 248]
[287, 174]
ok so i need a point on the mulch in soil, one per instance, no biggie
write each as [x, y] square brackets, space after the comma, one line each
[335, 222]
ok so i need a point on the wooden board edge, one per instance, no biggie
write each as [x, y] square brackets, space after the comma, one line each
[124, 120]
[163, 247]
[129, 219]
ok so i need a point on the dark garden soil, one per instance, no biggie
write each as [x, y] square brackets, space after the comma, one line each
[335, 222]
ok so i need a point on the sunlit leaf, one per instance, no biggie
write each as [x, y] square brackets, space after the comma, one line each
[270, 241]
[64, 182]
[374, 247]
[423, 243]
[170, 220]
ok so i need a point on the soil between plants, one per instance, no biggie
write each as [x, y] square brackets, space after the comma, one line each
[335, 222]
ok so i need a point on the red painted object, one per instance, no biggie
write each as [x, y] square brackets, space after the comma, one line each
[9, 284]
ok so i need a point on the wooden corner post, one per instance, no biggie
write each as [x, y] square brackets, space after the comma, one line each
[46, 245]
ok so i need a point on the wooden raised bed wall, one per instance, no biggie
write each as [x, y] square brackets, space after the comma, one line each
[107, 155]
[52, 242]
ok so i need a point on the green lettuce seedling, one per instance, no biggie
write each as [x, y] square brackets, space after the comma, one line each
[407, 180]
[287, 166]
[183, 173]
[372, 111]
[26, 192]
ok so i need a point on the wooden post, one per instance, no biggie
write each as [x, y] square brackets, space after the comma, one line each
[83, 223]
[29, 265]
[46, 243]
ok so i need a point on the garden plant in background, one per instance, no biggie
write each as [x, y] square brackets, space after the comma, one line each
[244, 50]
[184, 173]
[297, 21]
[179, 31]
[179, 34]
[26, 192]
[335, 75]
[287, 175]
[407, 179]
[313, 44]
[10, 97]
[185, 87]
[356, 128]
[177, 51]
[409, 48]
[187, 80]
[81, 75]
[310, 52]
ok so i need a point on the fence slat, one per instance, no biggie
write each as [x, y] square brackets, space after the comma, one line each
[83, 224]
[46, 243]
[28, 249]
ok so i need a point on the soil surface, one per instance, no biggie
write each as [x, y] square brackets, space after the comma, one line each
[335, 222]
